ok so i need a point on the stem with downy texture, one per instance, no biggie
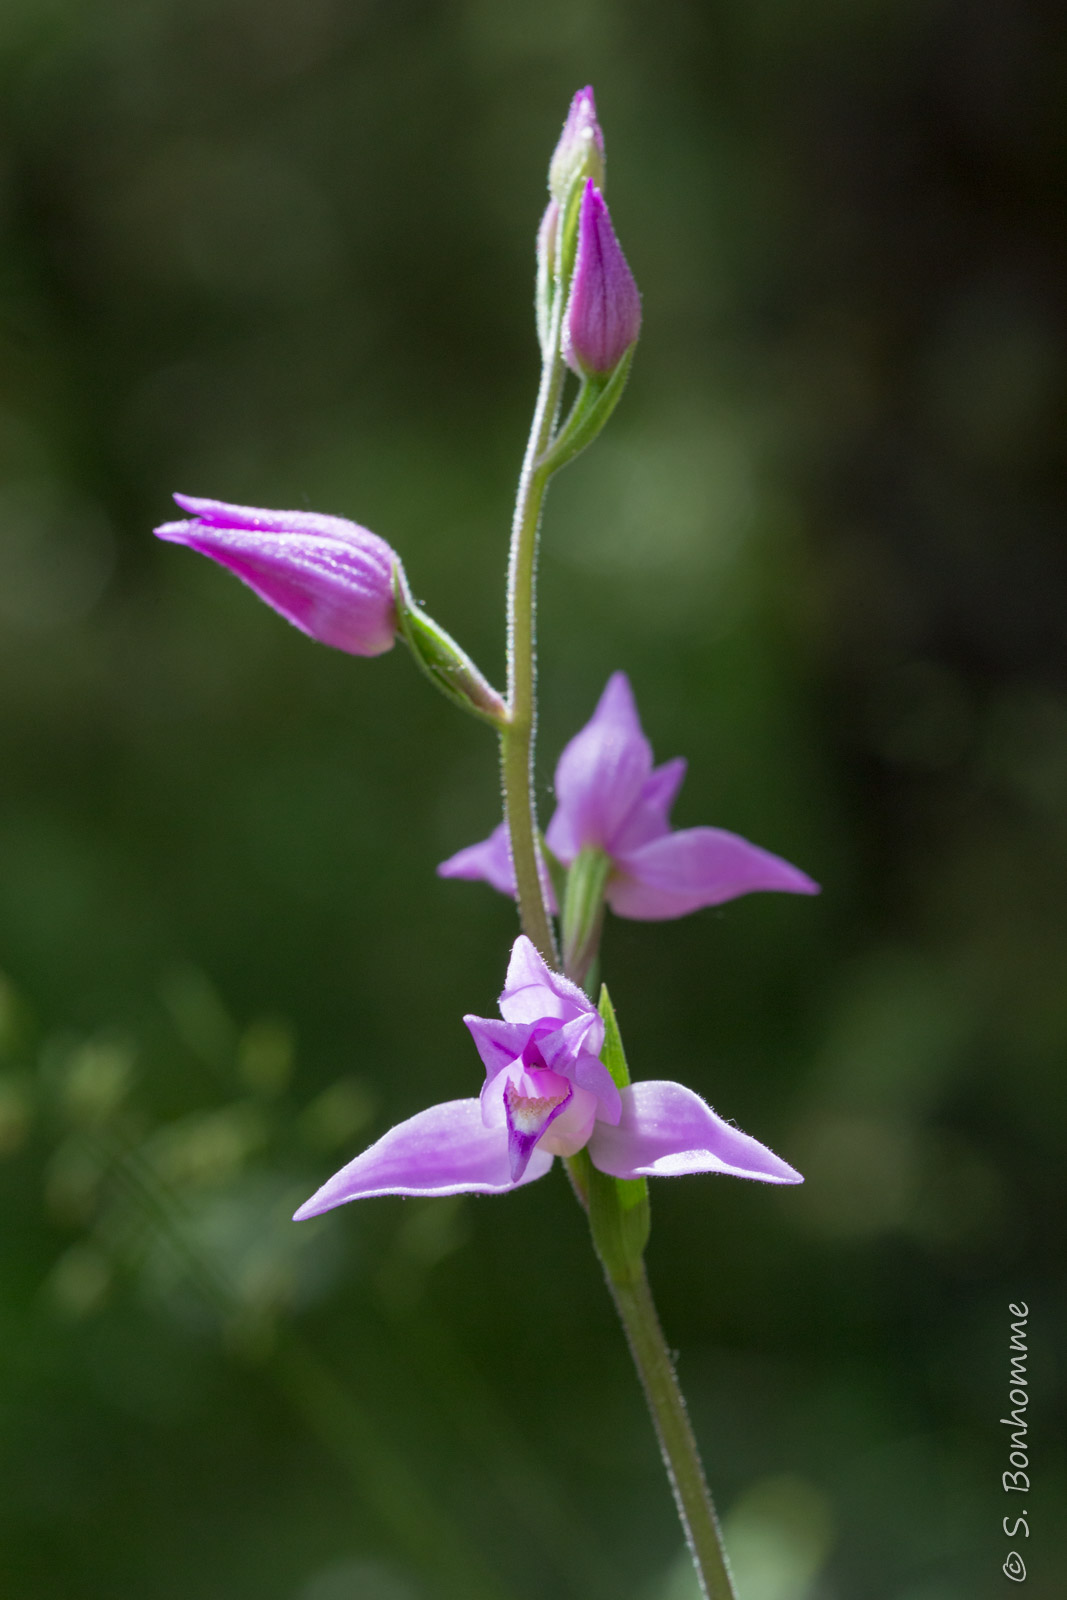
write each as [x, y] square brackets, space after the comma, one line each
[517, 737]
[678, 1447]
[630, 1291]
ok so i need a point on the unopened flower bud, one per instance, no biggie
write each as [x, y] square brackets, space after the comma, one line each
[547, 245]
[603, 316]
[329, 577]
[580, 151]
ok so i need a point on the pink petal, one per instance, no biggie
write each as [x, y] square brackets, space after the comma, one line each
[681, 872]
[329, 577]
[220, 514]
[444, 1150]
[489, 861]
[600, 775]
[584, 1032]
[580, 137]
[649, 818]
[590, 1073]
[603, 316]
[574, 1051]
[533, 991]
[498, 1043]
[666, 1131]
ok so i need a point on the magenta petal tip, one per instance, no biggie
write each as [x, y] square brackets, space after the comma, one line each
[580, 151]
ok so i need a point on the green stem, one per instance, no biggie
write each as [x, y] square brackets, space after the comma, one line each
[619, 1222]
[633, 1300]
[625, 1274]
[517, 736]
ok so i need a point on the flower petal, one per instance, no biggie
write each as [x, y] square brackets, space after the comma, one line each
[561, 1047]
[498, 1043]
[681, 872]
[574, 1052]
[590, 1073]
[600, 775]
[603, 315]
[259, 519]
[444, 1150]
[666, 1131]
[533, 991]
[488, 861]
[580, 148]
[649, 818]
[329, 577]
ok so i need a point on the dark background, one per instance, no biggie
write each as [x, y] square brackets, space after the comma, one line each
[281, 253]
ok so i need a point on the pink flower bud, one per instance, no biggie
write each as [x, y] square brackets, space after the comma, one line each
[328, 577]
[603, 315]
[580, 151]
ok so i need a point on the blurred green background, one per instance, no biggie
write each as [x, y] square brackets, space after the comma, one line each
[281, 252]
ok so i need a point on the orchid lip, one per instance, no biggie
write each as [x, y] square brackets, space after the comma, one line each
[529, 1116]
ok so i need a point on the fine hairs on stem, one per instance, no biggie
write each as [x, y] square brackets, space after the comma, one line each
[556, 1081]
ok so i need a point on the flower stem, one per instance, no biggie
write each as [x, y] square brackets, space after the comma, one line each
[517, 736]
[628, 1284]
[633, 1299]
[619, 1222]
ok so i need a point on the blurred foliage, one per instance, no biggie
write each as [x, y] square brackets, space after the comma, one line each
[282, 253]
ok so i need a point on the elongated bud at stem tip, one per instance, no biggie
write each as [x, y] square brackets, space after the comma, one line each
[603, 317]
[580, 151]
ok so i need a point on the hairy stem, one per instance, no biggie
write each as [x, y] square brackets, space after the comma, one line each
[517, 736]
[628, 1283]
[633, 1299]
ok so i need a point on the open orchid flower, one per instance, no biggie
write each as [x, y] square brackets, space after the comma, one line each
[611, 798]
[546, 1093]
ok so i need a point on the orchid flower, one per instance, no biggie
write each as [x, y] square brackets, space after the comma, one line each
[327, 576]
[610, 798]
[547, 1093]
[556, 1078]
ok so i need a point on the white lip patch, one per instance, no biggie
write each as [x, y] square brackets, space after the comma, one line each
[528, 1116]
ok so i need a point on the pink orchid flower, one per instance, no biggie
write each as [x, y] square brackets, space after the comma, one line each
[611, 798]
[546, 1093]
